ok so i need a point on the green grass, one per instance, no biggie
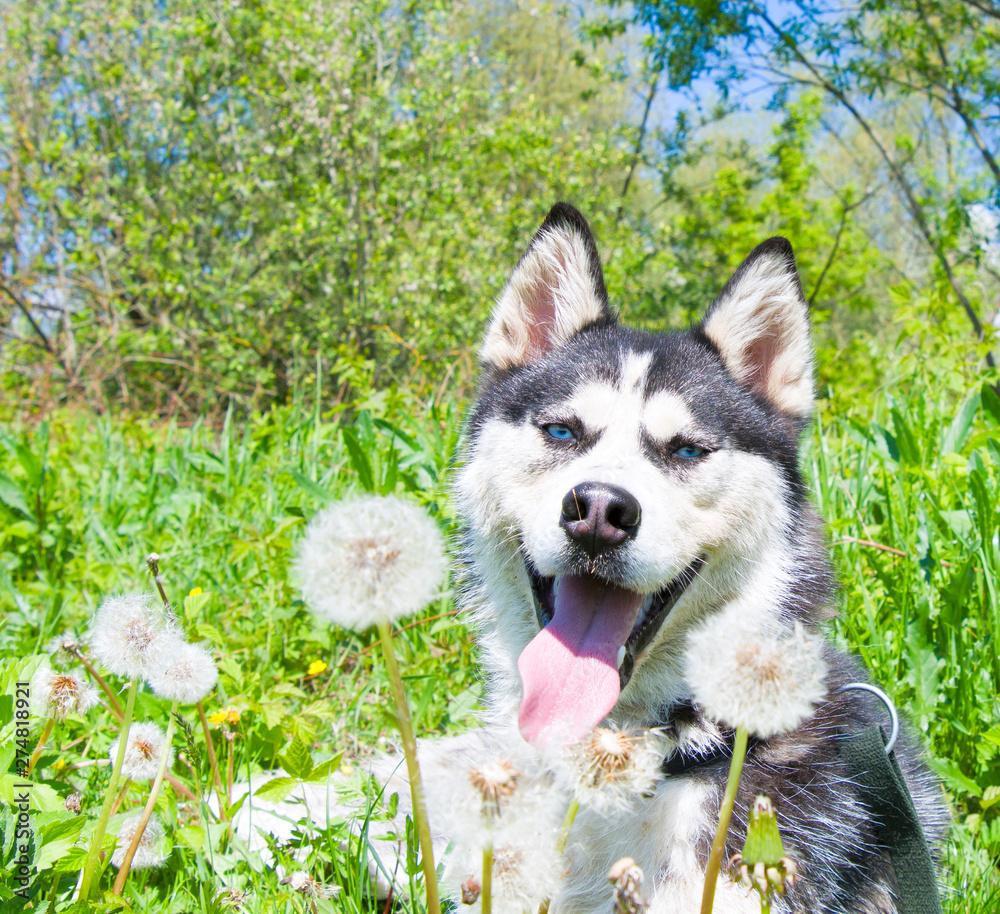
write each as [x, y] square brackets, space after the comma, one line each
[910, 487]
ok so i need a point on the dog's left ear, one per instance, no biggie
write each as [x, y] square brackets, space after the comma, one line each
[760, 324]
[556, 289]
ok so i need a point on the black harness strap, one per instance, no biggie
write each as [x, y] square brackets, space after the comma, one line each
[877, 773]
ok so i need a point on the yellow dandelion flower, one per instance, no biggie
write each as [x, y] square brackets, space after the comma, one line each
[317, 667]
[229, 716]
[195, 591]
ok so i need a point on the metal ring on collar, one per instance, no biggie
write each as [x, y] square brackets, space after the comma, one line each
[886, 700]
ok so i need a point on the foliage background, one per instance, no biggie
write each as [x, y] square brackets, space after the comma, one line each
[246, 251]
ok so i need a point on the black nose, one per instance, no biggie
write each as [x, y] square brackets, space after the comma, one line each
[598, 516]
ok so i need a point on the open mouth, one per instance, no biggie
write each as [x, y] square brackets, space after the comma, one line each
[592, 633]
[654, 610]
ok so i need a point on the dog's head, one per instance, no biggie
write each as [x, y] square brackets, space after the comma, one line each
[618, 485]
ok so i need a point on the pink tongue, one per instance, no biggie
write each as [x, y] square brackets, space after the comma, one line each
[569, 671]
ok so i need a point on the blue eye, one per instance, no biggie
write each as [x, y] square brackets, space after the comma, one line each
[688, 451]
[559, 432]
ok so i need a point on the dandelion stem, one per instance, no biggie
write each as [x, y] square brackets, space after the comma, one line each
[405, 725]
[230, 764]
[121, 797]
[487, 895]
[213, 760]
[567, 825]
[42, 740]
[147, 811]
[725, 815]
[562, 841]
[116, 707]
[90, 865]
[153, 563]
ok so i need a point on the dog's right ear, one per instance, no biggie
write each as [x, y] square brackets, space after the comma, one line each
[556, 289]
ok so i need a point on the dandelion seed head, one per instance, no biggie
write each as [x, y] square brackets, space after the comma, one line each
[472, 888]
[767, 683]
[186, 673]
[495, 782]
[66, 647]
[626, 877]
[526, 865]
[370, 559]
[501, 790]
[55, 694]
[522, 880]
[308, 887]
[143, 752]
[149, 853]
[613, 768]
[232, 899]
[128, 630]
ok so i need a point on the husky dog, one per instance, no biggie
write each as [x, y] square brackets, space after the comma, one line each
[617, 488]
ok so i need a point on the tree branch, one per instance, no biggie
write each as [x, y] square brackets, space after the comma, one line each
[659, 64]
[26, 311]
[912, 204]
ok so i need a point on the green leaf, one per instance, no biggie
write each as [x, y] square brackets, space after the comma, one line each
[71, 861]
[323, 771]
[986, 507]
[31, 464]
[191, 835]
[991, 403]
[990, 797]
[275, 790]
[297, 761]
[195, 603]
[307, 485]
[906, 440]
[12, 496]
[235, 807]
[207, 463]
[958, 432]
[954, 777]
[57, 840]
[359, 459]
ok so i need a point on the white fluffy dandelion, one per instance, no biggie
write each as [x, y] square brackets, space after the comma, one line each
[523, 838]
[613, 769]
[495, 782]
[128, 630]
[149, 853]
[185, 674]
[766, 683]
[370, 559]
[58, 694]
[143, 752]
[522, 878]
